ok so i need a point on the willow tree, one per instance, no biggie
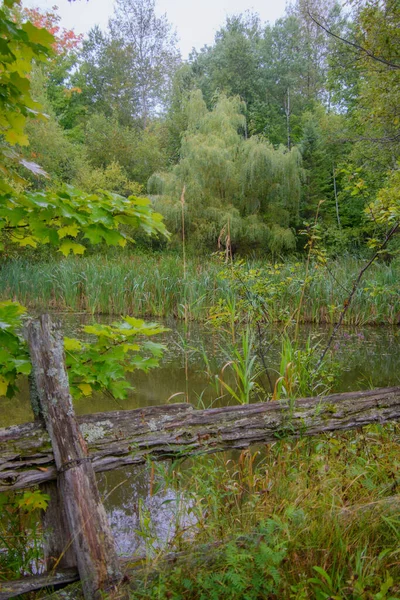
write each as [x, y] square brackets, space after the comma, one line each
[241, 187]
[270, 179]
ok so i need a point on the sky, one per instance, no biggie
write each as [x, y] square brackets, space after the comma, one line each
[196, 22]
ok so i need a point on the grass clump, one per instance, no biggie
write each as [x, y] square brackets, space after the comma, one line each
[156, 286]
[21, 536]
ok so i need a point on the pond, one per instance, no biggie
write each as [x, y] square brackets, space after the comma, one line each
[367, 358]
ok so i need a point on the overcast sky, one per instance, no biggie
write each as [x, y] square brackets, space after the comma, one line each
[196, 22]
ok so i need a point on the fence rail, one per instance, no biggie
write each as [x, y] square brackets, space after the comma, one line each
[120, 438]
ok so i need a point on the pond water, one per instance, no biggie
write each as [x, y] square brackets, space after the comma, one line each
[368, 358]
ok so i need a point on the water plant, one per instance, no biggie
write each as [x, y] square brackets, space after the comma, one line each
[269, 291]
[21, 537]
[242, 361]
[297, 376]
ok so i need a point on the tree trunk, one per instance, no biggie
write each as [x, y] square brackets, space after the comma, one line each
[336, 196]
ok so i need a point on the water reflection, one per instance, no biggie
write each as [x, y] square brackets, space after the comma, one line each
[143, 519]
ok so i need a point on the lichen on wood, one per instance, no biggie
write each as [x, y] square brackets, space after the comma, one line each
[120, 438]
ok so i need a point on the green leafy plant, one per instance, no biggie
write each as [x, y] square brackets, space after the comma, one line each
[243, 363]
[20, 534]
[297, 376]
[101, 365]
[14, 357]
[58, 218]
[119, 349]
[19, 46]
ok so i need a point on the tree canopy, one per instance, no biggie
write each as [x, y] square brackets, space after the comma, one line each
[262, 127]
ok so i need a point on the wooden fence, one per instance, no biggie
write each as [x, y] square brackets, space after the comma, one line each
[61, 453]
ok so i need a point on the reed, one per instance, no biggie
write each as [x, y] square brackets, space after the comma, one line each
[156, 285]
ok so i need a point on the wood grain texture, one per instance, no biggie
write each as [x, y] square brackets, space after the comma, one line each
[11, 589]
[121, 438]
[92, 540]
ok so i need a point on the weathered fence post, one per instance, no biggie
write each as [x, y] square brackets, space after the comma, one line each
[92, 540]
[58, 550]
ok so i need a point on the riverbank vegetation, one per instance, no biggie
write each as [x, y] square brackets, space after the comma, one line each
[108, 285]
[307, 525]
[311, 519]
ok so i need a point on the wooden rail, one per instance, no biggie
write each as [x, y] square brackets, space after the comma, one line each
[120, 438]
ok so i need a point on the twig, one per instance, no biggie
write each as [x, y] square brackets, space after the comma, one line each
[354, 45]
[336, 280]
[347, 302]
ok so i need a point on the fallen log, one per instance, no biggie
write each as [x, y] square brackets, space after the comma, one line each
[121, 438]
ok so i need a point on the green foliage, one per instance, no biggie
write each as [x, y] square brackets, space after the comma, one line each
[150, 45]
[297, 376]
[59, 218]
[300, 519]
[240, 189]
[49, 143]
[63, 219]
[231, 65]
[245, 568]
[277, 70]
[14, 357]
[242, 361]
[386, 207]
[119, 284]
[20, 44]
[103, 365]
[317, 166]
[112, 178]
[372, 120]
[20, 535]
[105, 79]
[138, 152]
[100, 365]
[378, 34]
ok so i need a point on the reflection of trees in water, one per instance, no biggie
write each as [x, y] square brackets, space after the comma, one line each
[367, 357]
[127, 499]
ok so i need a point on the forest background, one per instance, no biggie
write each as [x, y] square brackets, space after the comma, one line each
[271, 130]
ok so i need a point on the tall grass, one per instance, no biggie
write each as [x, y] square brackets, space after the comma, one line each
[140, 285]
[302, 520]
[157, 286]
